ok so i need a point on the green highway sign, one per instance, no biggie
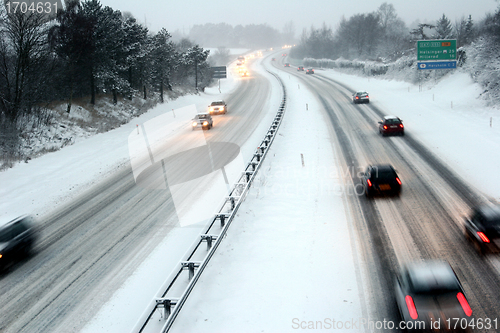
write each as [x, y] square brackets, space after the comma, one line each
[441, 49]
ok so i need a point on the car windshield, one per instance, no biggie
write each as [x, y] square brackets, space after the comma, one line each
[492, 221]
[392, 121]
[384, 174]
[218, 103]
[202, 116]
[434, 286]
[5, 235]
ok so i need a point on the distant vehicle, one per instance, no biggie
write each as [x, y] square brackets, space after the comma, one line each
[391, 125]
[429, 291]
[310, 71]
[360, 97]
[482, 229]
[203, 120]
[239, 63]
[217, 107]
[17, 239]
[380, 179]
[273, 59]
[300, 68]
[287, 64]
[241, 59]
[283, 55]
[245, 73]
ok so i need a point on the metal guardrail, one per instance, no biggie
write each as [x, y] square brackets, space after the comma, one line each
[169, 305]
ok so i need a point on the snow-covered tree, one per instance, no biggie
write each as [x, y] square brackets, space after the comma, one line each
[443, 29]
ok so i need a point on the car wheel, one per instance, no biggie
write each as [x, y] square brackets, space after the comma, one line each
[402, 133]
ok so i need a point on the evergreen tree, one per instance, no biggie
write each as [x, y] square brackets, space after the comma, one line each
[444, 29]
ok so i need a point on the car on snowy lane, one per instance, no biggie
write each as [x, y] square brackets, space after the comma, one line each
[391, 125]
[203, 120]
[17, 238]
[381, 179]
[429, 293]
[360, 97]
[217, 107]
[482, 229]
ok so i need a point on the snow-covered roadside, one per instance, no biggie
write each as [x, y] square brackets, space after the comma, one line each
[447, 117]
[289, 258]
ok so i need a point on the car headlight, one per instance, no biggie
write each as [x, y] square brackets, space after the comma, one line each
[211, 109]
[205, 123]
[195, 123]
[221, 108]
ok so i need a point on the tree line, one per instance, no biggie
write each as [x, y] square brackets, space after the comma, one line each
[84, 50]
[253, 36]
[383, 35]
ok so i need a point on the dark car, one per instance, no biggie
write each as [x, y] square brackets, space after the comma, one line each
[360, 97]
[431, 298]
[17, 239]
[380, 179]
[273, 59]
[310, 71]
[391, 125]
[287, 64]
[217, 107]
[482, 229]
[203, 120]
[300, 68]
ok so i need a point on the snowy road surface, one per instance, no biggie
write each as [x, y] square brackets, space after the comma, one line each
[305, 249]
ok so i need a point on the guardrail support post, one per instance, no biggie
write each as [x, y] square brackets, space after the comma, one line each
[166, 304]
[222, 217]
[191, 270]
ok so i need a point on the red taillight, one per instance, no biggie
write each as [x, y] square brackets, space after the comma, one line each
[369, 183]
[401, 125]
[397, 179]
[483, 237]
[357, 97]
[385, 126]
[464, 304]
[411, 307]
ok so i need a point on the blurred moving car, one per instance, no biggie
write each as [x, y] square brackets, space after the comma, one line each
[380, 179]
[391, 125]
[203, 120]
[429, 293]
[244, 73]
[310, 71]
[300, 68]
[287, 64]
[17, 239]
[482, 229]
[273, 59]
[360, 97]
[217, 107]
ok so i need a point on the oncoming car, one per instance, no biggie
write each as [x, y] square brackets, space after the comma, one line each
[217, 107]
[381, 179]
[428, 293]
[203, 120]
[482, 229]
[391, 125]
[360, 97]
[17, 239]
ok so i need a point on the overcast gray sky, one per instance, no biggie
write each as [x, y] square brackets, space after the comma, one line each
[183, 14]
